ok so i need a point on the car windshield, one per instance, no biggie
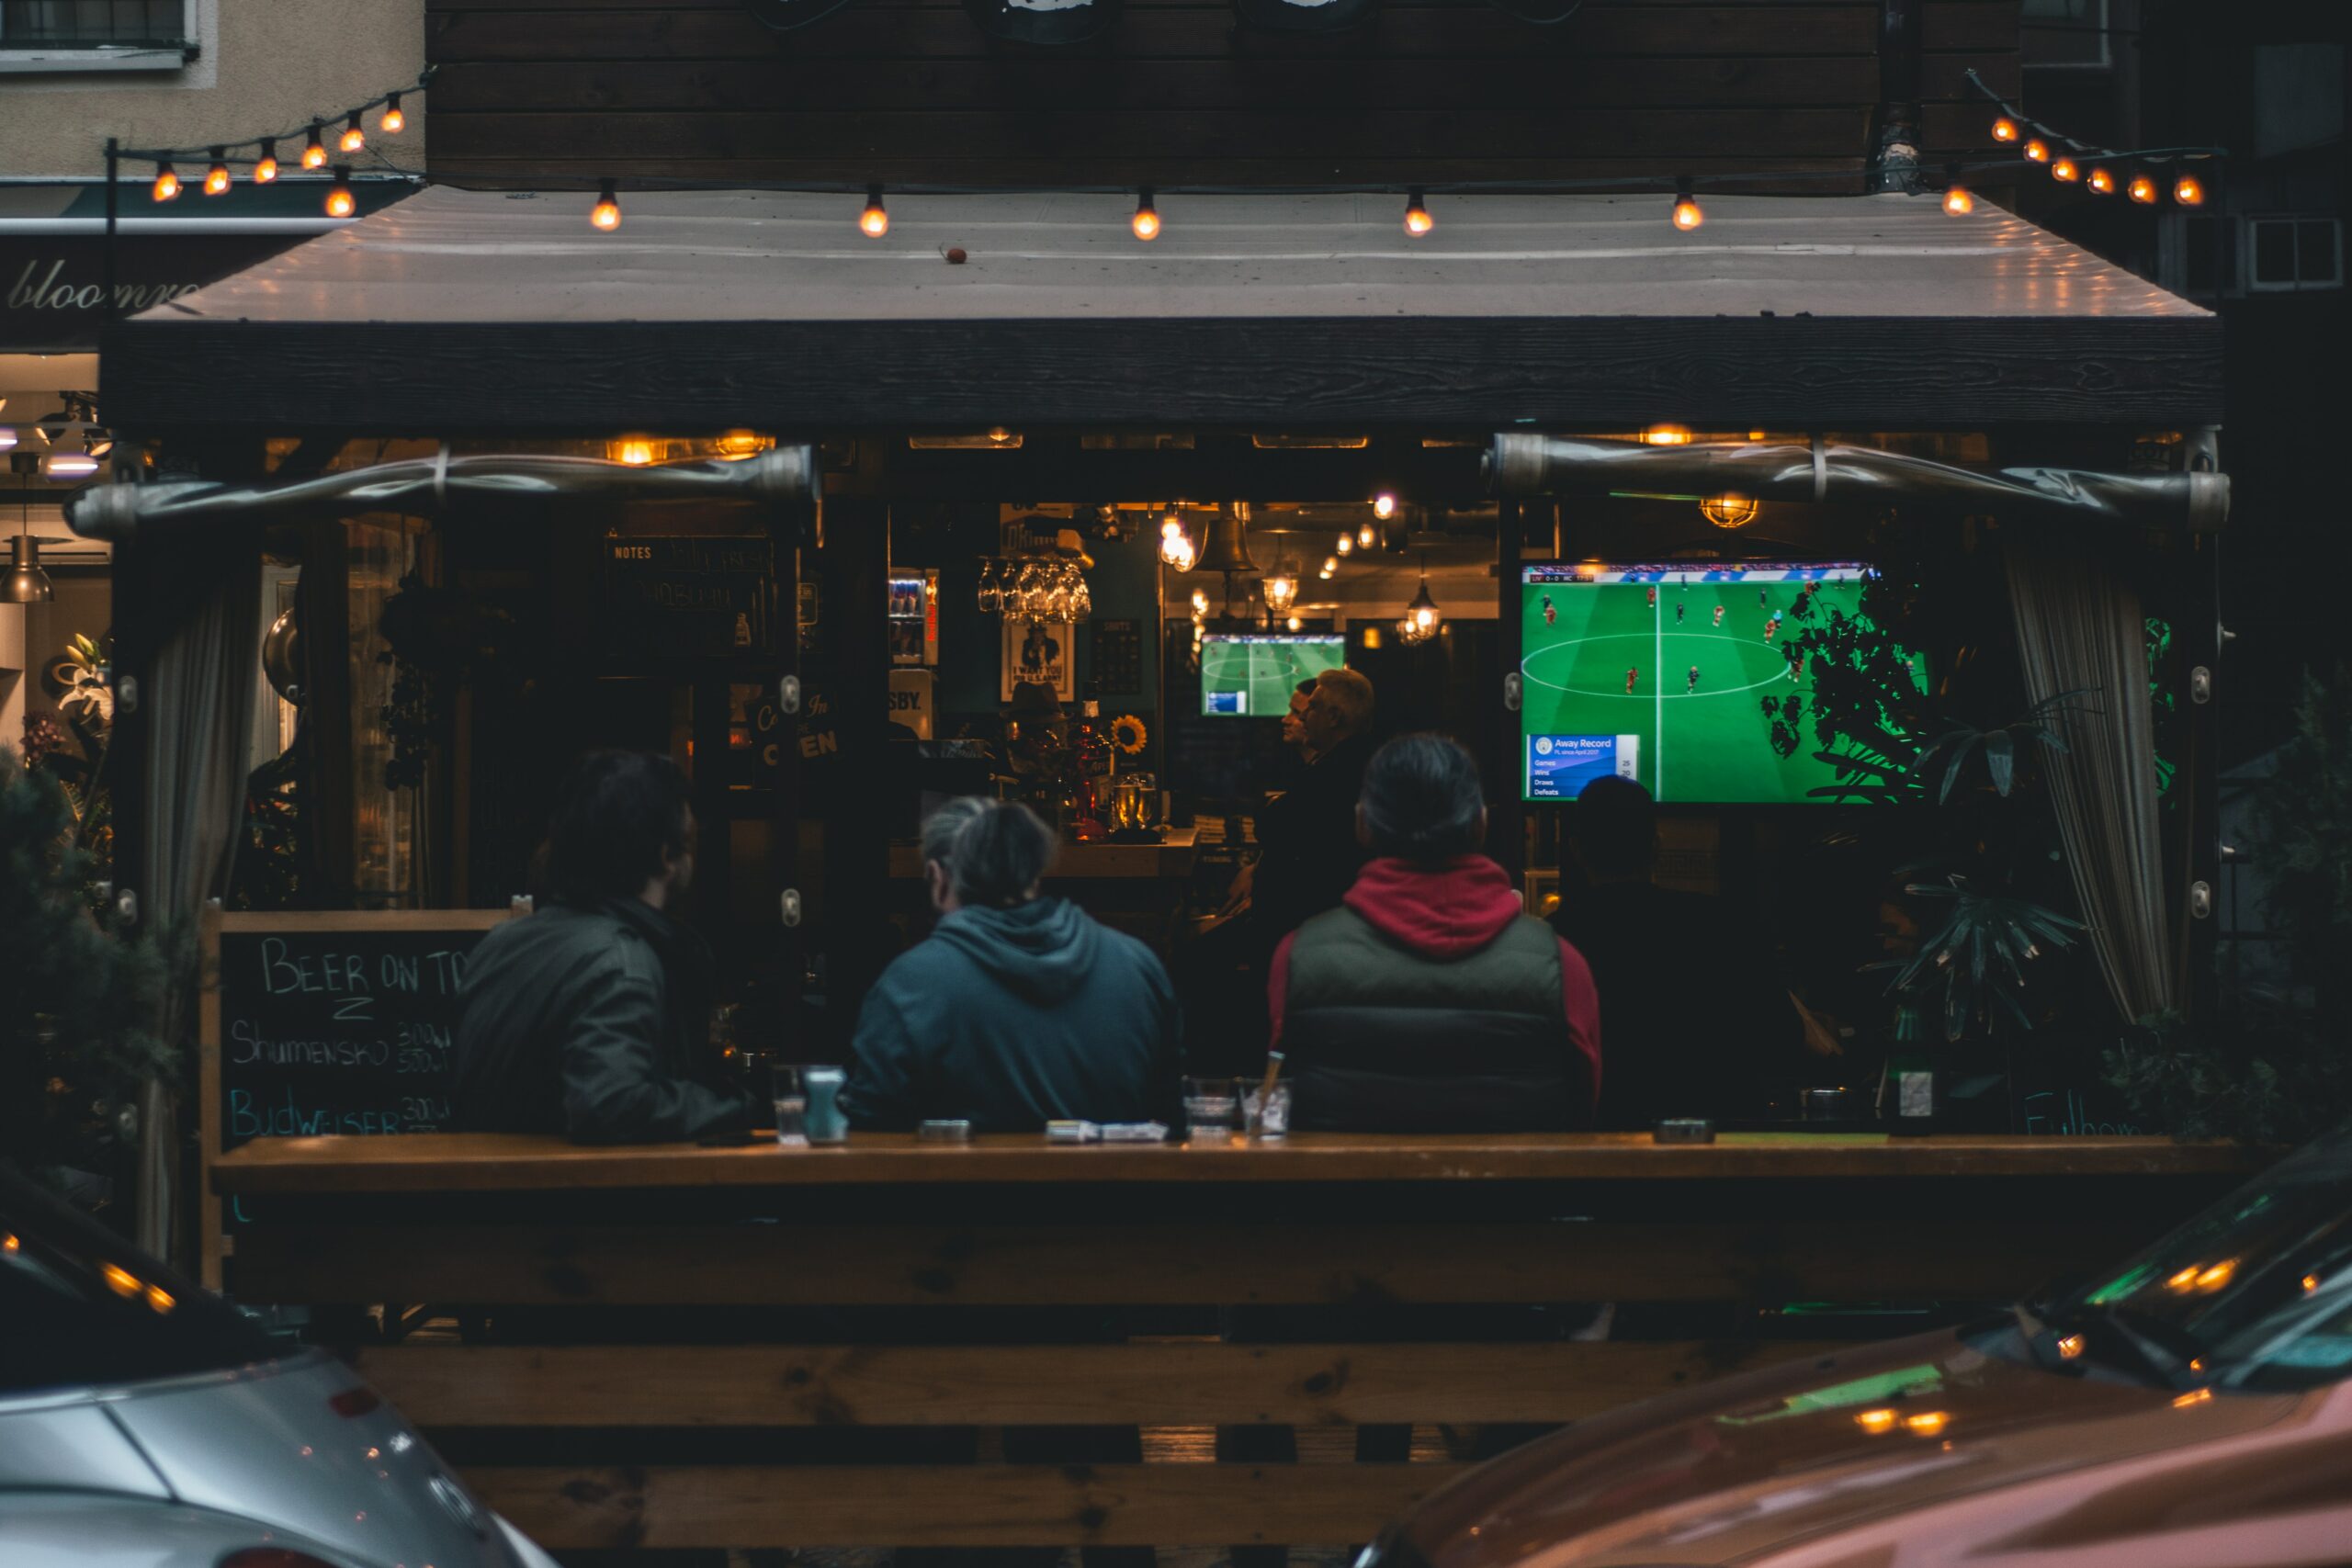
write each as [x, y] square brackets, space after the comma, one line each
[2254, 1292]
[82, 1307]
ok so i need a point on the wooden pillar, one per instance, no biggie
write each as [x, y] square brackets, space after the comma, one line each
[852, 574]
[786, 526]
[1507, 830]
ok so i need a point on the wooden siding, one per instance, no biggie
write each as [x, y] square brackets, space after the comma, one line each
[909, 91]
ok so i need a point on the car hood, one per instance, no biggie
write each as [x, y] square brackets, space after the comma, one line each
[301, 1443]
[1777, 1465]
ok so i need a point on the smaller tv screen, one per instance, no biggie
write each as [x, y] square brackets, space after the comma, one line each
[1252, 677]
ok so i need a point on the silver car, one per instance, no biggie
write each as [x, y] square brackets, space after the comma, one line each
[144, 1423]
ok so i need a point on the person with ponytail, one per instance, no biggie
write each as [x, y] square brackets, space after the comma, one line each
[1429, 1001]
[1019, 1008]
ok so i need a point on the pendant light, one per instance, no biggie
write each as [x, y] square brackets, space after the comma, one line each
[1422, 618]
[26, 583]
[1281, 587]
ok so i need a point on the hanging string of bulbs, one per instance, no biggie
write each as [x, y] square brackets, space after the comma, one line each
[1147, 223]
[258, 154]
[2094, 168]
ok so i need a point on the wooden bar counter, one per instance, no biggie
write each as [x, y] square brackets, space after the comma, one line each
[679, 1347]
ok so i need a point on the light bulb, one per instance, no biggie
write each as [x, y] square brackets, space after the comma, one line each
[607, 213]
[314, 151]
[1347, 543]
[352, 139]
[167, 184]
[2038, 151]
[1687, 215]
[1958, 203]
[2188, 191]
[1172, 526]
[1417, 220]
[636, 450]
[1293, 623]
[2143, 190]
[1667, 436]
[2065, 169]
[340, 201]
[1384, 506]
[216, 178]
[2101, 180]
[68, 465]
[265, 170]
[2005, 129]
[1425, 619]
[1367, 535]
[7, 438]
[393, 122]
[874, 222]
[1146, 222]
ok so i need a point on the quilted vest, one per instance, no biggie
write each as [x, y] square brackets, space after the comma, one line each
[1380, 1038]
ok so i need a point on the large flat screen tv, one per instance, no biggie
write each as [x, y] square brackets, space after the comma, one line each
[1252, 677]
[1659, 675]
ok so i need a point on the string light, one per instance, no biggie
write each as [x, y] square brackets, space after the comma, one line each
[393, 122]
[314, 152]
[2038, 151]
[265, 170]
[167, 184]
[2188, 191]
[1958, 203]
[341, 203]
[2065, 169]
[1417, 220]
[2102, 180]
[874, 222]
[1384, 506]
[2005, 129]
[1146, 222]
[1367, 536]
[216, 178]
[607, 213]
[1687, 215]
[353, 138]
[1347, 543]
[2142, 189]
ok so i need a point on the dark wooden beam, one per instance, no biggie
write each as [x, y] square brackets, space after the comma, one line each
[435, 378]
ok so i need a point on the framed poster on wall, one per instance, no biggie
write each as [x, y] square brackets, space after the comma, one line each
[1039, 651]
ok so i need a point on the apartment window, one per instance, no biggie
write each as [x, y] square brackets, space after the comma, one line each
[2293, 252]
[2067, 33]
[96, 35]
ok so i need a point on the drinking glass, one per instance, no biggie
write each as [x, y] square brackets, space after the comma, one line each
[1209, 1105]
[1147, 800]
[1029, 590]
[991, 591]
[790, 1090]
[1265, 1114]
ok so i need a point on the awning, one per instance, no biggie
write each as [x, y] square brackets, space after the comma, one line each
[470, 311]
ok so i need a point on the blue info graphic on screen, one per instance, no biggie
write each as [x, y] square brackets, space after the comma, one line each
[1559, 766]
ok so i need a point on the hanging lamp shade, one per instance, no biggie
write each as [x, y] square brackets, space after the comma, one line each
[26, 583]
[1227, 549]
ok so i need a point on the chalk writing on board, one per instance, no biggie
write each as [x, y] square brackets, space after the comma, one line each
[338, 1030]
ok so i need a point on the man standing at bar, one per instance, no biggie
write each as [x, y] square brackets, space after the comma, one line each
[591, 1016]
[1311, 855]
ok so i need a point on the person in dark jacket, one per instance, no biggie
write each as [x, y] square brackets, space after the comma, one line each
[1696, 1025]
[1019, 1008]
[1430, 1001]
[1312, 854]
[592, 1017]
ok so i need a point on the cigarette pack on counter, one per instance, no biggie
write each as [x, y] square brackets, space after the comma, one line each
[1069, 1131]
[1135, 1132]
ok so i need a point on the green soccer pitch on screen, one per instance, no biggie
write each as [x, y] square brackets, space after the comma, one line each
[1252, 677]
[1659, 675]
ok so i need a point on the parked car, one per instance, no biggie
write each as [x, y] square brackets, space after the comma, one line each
[2188, 1408]
[146, 1423]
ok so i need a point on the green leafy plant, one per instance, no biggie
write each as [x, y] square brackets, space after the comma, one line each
[79, 999]
[1977, 958]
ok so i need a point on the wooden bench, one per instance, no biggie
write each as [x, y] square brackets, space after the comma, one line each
[691, 1347]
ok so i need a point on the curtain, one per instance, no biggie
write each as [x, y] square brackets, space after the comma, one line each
[2079, 628]
[198, 703]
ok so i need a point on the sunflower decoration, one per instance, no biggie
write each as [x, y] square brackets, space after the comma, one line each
[1128, 735]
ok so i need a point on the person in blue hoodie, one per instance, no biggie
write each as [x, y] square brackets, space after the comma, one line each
[1019, 1009]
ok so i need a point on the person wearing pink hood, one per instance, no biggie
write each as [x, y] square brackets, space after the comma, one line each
[1430, 1001]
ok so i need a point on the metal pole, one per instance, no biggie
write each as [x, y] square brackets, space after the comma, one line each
[114, 163]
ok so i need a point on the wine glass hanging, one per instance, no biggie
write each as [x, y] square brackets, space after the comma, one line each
[1034, 588]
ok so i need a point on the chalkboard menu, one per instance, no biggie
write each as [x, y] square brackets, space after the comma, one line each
[1118, 658]
[331, 1024]
[705, 595]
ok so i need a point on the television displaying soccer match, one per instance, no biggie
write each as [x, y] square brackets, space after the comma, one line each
[1658, 674]
[1252, 677]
